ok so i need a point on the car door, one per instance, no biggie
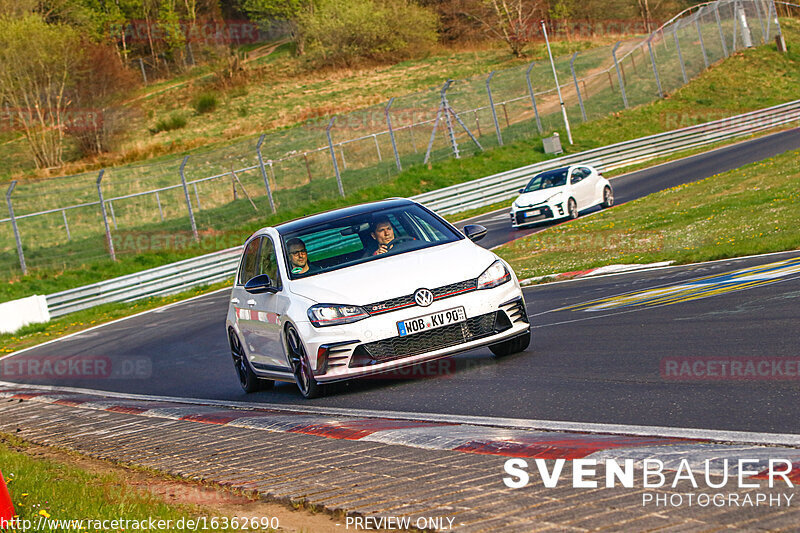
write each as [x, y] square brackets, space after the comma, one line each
[259, 315]
[581, 187]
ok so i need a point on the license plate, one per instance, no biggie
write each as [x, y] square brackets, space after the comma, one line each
[432, 321]
[534, 213]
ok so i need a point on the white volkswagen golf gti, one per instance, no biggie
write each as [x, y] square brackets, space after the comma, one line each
[367, 289]
[560, 193]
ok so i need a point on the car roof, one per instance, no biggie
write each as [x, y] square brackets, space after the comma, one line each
[321, 218]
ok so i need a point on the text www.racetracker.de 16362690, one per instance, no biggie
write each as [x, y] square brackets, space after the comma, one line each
[199, 523]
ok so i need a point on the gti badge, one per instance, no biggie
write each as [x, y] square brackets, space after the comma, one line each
[423, 297]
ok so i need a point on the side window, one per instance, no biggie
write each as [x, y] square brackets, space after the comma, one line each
[250, 261]
[586, 172]
[399, 229]
[268, 263]
[577, 175]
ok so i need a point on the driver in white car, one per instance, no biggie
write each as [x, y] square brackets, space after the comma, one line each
[383, 233]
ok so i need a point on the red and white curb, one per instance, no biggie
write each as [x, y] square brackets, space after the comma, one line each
[485, 440]
[599, 271]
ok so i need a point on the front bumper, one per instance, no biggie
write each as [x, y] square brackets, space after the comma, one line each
[537, 213]
[373, 345]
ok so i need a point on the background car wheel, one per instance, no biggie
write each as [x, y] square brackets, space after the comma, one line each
[301, 368]
[247, 378]
[572, 209]
[608, 198]
[517, 344]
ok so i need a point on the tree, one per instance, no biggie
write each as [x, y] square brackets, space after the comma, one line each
[36, 61]
[511, 21]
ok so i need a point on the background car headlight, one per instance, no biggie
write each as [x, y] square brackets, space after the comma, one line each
[556, 196]
[495, 275]
[322, 315]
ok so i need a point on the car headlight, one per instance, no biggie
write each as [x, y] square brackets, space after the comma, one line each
[556, 196]
[322, 315]
[495, 275]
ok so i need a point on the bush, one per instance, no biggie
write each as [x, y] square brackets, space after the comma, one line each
[205, 103]
[175, 121]
[346, 32]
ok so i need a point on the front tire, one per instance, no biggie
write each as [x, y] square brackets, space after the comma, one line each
[301, 368]
[608, 198]
[248, 379]
[517, 344]
[572, 209]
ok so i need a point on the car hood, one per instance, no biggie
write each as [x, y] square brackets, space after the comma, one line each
[537, 197]
[398, 275]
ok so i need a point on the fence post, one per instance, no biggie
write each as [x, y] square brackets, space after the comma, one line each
[333, 156]
[577, 88]
[188, 200]
[700, 35]
[558, 86]
[446, 110]
[747, 39]
[655, 69]
[264, 171]
[760, 20]
[66, 224]
[721, 33]
[494, 111]
[377, 147]
[680, 55]
[160, 211]
[619, 74]
[15, 228]
[533, 98]
[109, 240]
[391, 134]
[141, 66]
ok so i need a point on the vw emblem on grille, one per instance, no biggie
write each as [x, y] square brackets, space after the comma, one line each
[423, 297]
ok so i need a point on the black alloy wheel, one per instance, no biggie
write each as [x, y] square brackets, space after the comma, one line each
[301, 368]
[572, 209]
[247, 378]
[608, 198]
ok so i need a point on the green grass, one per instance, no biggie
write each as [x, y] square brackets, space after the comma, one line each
[50, 489]
[751, 210]
[734, 86]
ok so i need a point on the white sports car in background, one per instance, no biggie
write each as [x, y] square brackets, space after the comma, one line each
[561, 193]
[367, 289]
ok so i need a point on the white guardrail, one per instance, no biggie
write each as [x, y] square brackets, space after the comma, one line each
[218, 266]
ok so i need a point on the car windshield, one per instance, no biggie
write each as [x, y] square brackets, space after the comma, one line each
[360, 238]
[547, 180]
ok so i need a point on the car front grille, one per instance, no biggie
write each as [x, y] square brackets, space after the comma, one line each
[545, 213]
[427, 341]
[439, 293]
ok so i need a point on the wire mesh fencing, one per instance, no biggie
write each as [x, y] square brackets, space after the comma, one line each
[78, 220]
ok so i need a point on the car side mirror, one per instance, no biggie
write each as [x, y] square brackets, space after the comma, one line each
[522, 190]
[474, 232]
[260, 284]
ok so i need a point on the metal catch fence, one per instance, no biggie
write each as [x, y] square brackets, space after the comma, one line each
[82, 219]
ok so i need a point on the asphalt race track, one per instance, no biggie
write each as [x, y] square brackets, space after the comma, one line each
[602, 362]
